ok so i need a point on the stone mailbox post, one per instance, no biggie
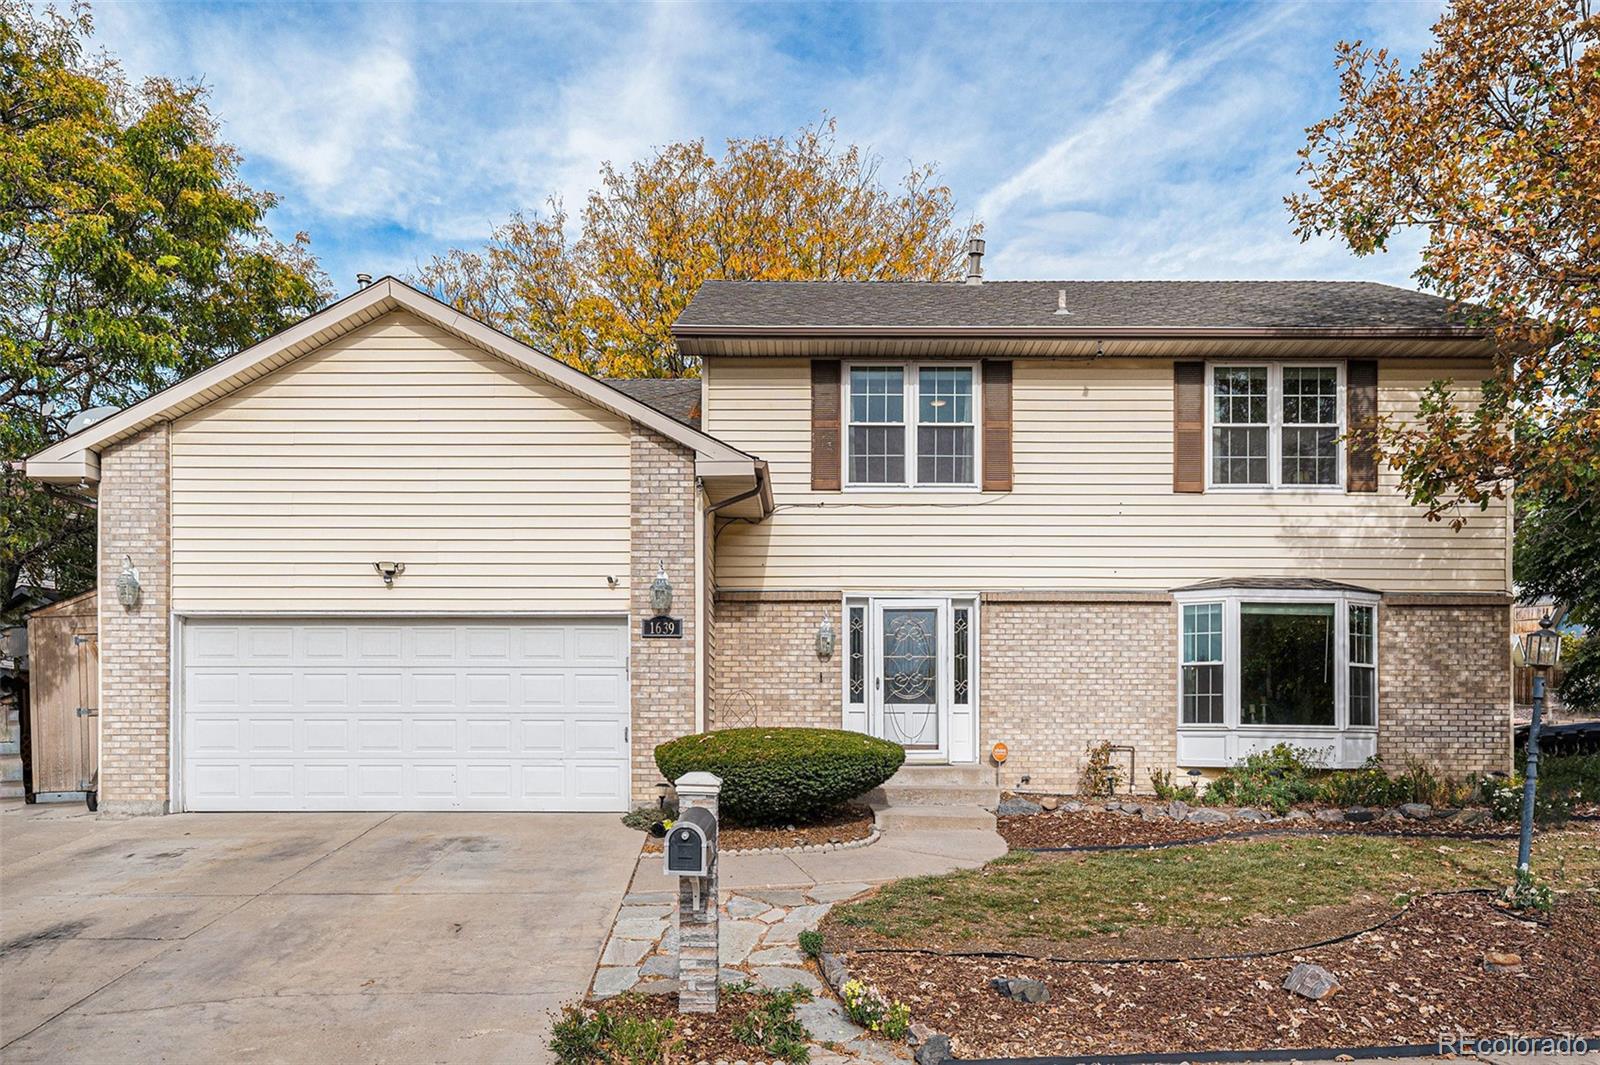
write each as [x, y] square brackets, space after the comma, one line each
[690, 854]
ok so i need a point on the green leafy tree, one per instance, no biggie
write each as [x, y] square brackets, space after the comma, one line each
[131, 256]
[1558, 555]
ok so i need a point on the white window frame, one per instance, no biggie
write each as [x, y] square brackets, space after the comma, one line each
[1223, 744]
[910, 379]
[1276, 424]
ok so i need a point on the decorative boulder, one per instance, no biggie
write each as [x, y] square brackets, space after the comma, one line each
[1415, 811]
[1310, 981]
[1029, 991]
[1208, 817]
[1073, 807]
[1360, 815]
[1472, 815]
[1050, 803]
[1496, 962]
[1249, 813]
[1177, 809]
[1296, 815]
[1330, 815]
[935, 1050]
[1018, 806]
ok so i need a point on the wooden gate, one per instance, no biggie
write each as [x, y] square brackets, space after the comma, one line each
[64, 695]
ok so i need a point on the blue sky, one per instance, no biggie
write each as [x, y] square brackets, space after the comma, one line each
[1126, 140]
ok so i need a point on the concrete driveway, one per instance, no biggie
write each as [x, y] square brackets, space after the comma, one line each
[299, 937]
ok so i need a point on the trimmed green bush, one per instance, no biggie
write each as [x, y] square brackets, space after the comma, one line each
[783, 775]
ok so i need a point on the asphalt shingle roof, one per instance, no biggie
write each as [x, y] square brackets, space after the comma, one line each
[1293, 305]
[676, 397]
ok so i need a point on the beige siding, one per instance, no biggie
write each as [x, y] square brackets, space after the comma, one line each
[1093, 505]
[498, 490]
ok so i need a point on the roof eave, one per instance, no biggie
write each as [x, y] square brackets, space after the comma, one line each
[682, 331]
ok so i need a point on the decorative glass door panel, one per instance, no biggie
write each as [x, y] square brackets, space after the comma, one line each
[910, 671]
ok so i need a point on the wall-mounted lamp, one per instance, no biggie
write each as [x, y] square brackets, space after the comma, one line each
[389, 571]
[611, 582]
[661, 591]
[825, 638]
[128, 584]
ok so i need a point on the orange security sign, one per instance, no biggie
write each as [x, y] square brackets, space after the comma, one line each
[999, 753]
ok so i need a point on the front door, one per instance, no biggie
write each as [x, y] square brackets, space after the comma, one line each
[910, 703]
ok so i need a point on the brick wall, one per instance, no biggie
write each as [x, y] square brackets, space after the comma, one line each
[662, 671]
[1444, 677]
[1052, 682]
[767, 671]
[135, 652]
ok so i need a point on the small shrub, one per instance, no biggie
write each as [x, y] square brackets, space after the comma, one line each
[1098, 775]
[600, 1037]
[1279, 778]
[779, 775]
[1420, 783]
[1503, 797]
[1367, 786]
[1529, 894]
[811, 943]
[868, 1008]
[641, 819]
[773, 1027]
[1166, 787]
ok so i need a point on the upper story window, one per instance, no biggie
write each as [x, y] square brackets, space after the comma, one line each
[911, 426]
[1275, 425]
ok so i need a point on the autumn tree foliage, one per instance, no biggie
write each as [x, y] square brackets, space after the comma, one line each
[130, 256]
[1491, 146]
[771, 208]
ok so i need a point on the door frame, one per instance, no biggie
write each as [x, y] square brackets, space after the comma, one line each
[867, 716]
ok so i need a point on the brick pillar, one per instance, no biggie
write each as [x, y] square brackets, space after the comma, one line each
[135, 651]
[662, 671]
[698, 913]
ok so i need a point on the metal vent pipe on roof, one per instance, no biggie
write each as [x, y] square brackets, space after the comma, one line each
[363, 280]
[975, 261]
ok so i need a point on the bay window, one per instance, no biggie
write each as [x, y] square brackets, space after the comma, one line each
[1259, 666]
[911, 426]
[1275, 425]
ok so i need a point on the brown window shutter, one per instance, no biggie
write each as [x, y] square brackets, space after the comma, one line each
[825, 455]
[1361, 425]
[1188, 427]
[996, 425]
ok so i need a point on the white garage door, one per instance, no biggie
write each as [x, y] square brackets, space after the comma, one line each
[405, 715]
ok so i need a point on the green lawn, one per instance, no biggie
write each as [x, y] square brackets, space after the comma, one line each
[1025, 897]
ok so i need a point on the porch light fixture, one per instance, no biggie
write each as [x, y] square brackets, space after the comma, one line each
[1542, 649]
[128, 584]
[389, 571]
[825, 638]
[661, 591]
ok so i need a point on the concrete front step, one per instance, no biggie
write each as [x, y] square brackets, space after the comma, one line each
[893, 819]
[13, 791]
[973, 775]
[11, 769]
[933, 795]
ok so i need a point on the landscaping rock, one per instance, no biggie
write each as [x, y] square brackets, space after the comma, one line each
[1018, 806]
[1330, 815]
[1178, 810]
[833, 970]
[919, 1033]
[1032, 992]
[1496, 962]
[1310, 981]
[935, 1051]
[1415, 811]
[1249, 813]
[1208, 817]
[1073, 807]
[1050, 803]
[1473, 815]
[1360, 815]
[1296, 815]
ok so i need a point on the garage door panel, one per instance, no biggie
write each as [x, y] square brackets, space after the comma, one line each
[516, 715]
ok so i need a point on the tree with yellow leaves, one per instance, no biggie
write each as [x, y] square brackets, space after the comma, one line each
[772, 209]
[1491, 145]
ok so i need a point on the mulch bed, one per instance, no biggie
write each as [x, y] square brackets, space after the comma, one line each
[695, 1037]
[1098, 828]
[848, 825]
[1404, 983]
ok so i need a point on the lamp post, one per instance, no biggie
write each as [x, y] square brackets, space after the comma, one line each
[1541, 650]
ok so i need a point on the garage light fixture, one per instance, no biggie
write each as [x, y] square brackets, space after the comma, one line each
[128, 584]
[389, 571]
[661, 591]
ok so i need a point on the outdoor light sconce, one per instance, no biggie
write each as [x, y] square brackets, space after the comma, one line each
[661, 591]
[825, 638]
[1542, 649]
[128, 584]
[389, 571]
